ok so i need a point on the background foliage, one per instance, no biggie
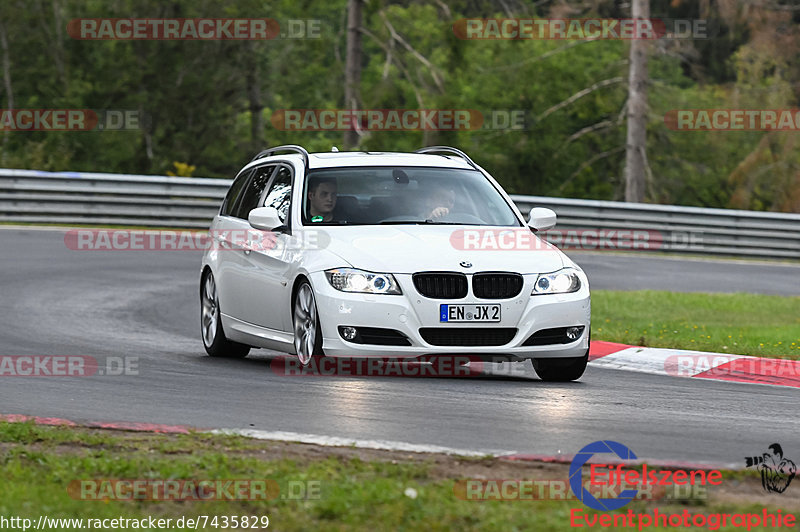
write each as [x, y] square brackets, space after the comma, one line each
[208, 104]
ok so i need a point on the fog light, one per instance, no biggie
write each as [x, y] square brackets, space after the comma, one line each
[349, 333]
[574, 332]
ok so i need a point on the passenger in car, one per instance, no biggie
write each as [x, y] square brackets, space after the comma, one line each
[321, 199]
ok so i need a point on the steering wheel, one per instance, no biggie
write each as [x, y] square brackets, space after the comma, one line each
[400, 218]
[460, 217]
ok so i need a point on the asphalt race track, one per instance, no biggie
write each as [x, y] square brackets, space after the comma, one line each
[633, 271]
[145, 304]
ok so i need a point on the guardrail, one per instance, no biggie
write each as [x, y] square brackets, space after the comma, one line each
[33, 196]
[769, 235]
[93, 198]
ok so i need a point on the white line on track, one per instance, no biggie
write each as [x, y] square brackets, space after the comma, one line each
[384, 445]
[334, 441]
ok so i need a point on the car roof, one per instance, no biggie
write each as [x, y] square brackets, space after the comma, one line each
[363, 158]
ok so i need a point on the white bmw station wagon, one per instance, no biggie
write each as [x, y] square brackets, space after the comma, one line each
[392, 255]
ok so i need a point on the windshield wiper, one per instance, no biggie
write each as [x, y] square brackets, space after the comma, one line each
[405, 222]
[454, 223]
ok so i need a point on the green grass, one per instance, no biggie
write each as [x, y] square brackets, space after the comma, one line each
[37, 464]
[744, 324]
[354, 494]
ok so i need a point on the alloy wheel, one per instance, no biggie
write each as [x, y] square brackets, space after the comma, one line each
[209, 311]
[305, 323]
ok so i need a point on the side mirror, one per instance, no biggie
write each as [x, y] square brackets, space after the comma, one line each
[264, 218]
[541, 219]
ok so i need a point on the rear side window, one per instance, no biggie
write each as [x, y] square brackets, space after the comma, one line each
[254, 191]
[234, 193]
[280, 193]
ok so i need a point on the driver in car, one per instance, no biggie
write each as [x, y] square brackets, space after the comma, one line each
[321, 199]
[439, 202]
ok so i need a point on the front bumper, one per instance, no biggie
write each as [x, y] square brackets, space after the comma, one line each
[409, 312]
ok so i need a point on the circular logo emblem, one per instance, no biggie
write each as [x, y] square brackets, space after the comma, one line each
[465, 264]
[576, 477]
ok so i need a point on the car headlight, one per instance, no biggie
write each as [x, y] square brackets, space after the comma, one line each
[560, 282]
[352, 280]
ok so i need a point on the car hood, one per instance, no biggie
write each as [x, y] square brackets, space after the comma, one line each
[414, 248]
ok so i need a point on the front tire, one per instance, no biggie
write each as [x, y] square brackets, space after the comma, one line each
[214, 340]
[560, 369]
[307, 331]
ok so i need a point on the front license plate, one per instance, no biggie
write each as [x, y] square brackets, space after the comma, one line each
[471, 313]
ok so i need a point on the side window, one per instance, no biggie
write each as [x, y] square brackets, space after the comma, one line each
[253, 191]
[280, 193]
[234, 193]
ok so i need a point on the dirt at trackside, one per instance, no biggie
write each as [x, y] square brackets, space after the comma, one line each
[738, 488]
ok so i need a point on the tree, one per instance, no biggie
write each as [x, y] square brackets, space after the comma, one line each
[352, 69]
[635, 155]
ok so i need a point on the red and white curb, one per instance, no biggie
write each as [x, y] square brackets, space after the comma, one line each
[696, 364]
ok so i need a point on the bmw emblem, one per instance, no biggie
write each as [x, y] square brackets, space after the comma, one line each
[465, 264]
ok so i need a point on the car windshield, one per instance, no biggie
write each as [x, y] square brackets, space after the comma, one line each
[403, 195]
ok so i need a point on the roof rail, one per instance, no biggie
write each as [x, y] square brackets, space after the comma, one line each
[448, 149]
[288, 147]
